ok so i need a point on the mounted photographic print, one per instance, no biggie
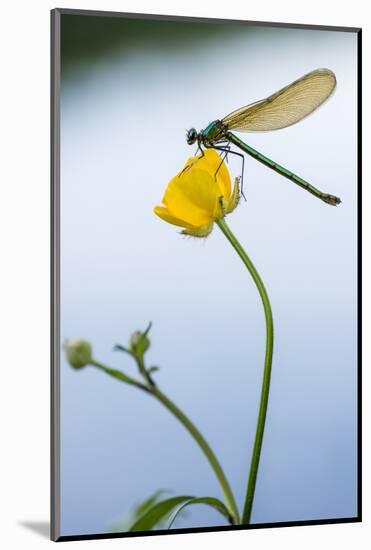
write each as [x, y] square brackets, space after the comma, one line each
[205, 250]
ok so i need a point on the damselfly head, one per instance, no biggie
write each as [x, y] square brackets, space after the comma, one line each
[192, 136]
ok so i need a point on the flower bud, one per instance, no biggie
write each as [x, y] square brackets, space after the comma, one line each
[79, 353]
[139, 343]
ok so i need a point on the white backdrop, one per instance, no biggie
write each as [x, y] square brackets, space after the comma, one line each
[24, 285]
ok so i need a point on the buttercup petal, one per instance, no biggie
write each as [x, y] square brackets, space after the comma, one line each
[200, 188]
[217, 168]
[181, 206]
[163, 213]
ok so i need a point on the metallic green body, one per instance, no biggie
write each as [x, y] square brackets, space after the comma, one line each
[329, 199]
[216, 132]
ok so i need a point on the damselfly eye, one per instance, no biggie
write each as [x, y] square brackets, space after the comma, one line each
[192, 136]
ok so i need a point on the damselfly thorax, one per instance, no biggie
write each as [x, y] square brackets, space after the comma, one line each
[215, 132]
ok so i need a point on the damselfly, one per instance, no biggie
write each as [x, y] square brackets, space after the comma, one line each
[281, 109]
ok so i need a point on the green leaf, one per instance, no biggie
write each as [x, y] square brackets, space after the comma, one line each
[209, 501]
[153, 369]
[143, 343]
[139, 509]
[144, 506]
[118, 347]
[158, 512]
[147, 329]
[117, 374]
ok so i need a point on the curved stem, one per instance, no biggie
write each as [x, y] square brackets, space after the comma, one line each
[190, 427]
[206, 449]
[119, 375]
[254, 466]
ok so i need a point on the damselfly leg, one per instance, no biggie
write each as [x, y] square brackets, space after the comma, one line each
[227, 149]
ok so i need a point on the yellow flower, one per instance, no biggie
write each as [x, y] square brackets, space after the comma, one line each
[199, 195]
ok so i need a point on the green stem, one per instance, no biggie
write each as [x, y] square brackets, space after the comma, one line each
[198, 437]
[120, 375]
[254, 466]
[206, 449]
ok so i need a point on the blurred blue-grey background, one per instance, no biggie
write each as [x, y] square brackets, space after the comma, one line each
[130, 89]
